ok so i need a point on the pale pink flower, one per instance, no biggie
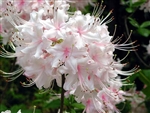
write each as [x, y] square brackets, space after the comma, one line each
[51, 43]
[8, 111]
[146, 6]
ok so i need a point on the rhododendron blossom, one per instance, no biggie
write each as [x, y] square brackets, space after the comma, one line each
[146, 6]
[48, 42]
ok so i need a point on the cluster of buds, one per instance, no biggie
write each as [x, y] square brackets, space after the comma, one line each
[49, 41]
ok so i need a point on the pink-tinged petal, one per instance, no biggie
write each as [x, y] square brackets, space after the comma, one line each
[21, 3]
[66, 51]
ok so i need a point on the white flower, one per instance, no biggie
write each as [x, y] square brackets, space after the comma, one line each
[78, 46]
[8, 111]
[146, 6]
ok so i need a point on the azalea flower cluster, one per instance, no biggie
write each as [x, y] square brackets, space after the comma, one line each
[49, 41]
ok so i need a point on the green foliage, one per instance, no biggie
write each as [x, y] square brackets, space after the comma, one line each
[147, 103]
[132, 7]
[144, 76]
[142, 29]
[133, 22]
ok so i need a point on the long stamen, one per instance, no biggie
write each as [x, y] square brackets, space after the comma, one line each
[98, 10]
[6, 74]
[128, 37]
[106, 17]
[130, 72]
[14, 77]
[5, 53]
[27, 85]
[117, 40]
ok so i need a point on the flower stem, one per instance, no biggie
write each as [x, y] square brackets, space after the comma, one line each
[62, 93]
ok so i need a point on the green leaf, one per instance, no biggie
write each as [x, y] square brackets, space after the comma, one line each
[145, 77]
[73, 111]
[129, 9]
[146, 91]
[133, 22]
[2, 108]
[16, 108]
[145, 24]
[147, 103]
[133, 77]
[144, 32]
[54, 104]
[78, 105]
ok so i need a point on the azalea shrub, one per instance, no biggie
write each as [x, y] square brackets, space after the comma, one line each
[75, 56]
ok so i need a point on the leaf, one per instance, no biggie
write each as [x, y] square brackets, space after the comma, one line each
[16, 108]
[133, 22]
[78, 105]
[73, 111]
[144, 32]
[54, 104]
[66, 102]
[145, 77]
[129, 9]
[133, 77]
[147, 103]
[146, 91]
[145, 24]
[2, 108]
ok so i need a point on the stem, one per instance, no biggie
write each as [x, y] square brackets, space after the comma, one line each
[62, 93]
